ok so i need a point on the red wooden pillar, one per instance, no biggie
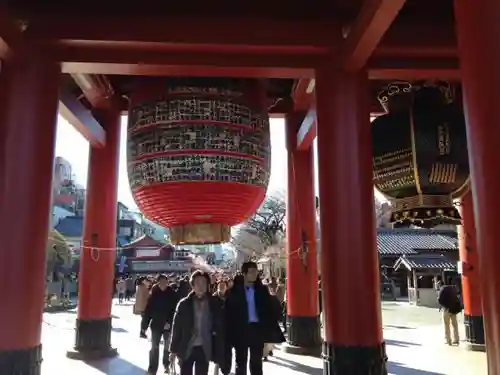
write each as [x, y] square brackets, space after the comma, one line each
[95, 292]
[28, 127]
[301, 266]
[477, 29]
[471, 289]
[349, 260]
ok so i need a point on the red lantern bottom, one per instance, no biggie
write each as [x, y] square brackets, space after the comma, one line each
[191, 202]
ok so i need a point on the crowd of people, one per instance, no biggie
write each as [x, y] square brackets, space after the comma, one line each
[205, 318]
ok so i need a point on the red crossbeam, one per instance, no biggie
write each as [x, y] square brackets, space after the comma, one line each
[73, 111]
[10, 34]
[374, 19]
[97, 89]
[236, 34]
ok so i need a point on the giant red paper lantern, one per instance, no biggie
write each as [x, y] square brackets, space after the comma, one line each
[198, 154]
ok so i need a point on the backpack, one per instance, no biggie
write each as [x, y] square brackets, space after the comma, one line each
[456, 307]
[449, 300]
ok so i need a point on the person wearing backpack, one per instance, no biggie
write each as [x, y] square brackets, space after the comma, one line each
[450, 305]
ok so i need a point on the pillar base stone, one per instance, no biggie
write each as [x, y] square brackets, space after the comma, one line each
[304, 336]
[21, 362]
[475, 347]
[354, 360]
[474, 333]
[93, 340]
[301, 350]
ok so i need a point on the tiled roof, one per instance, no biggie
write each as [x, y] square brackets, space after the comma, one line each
[425, 262]
[121, 240]
[144, 241]
[70, 226]
[403, 241]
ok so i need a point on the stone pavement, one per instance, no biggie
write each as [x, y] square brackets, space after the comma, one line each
[413, 335]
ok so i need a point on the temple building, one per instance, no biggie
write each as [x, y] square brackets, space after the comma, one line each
[145, 255]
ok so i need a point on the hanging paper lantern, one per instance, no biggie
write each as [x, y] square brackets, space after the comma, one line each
[420, 159]
[198, 154]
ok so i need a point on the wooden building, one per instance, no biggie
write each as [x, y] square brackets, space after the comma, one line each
[424, 250]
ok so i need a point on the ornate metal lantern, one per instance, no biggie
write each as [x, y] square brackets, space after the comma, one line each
[420, 159]
[198, 154]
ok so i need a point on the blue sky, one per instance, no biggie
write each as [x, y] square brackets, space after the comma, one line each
[74, 148]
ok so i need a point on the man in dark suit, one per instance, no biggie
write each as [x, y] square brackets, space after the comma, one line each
[251, 320]
[158, 315]
[197, 332]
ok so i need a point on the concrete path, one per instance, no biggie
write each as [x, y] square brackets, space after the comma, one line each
[414, 345]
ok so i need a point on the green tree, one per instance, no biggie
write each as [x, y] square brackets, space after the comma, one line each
[57, 251]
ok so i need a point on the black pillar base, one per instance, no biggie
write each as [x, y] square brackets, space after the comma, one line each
[21, 362]
[474, 333]
[354, 360]
[304, 335]
[93, 340]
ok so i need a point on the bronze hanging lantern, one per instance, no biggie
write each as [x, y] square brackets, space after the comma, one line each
[420, 159]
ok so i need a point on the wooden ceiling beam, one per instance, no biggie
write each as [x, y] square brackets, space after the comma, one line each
[97, 89]
[243, 34]
[92, 60]
[82, 119]
[374, 19]
[11, 34]
[126, 61]
[411, 68]
[303, 93]
[276, 9]
[418, 39]
[307, 131]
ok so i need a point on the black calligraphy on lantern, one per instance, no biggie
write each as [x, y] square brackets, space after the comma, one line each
[198, 168]
[188, 138]
[444, 142]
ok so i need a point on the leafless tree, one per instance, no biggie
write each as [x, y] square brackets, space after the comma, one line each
[264, 232]
[264, 229]
[268, 223]
[382, 214]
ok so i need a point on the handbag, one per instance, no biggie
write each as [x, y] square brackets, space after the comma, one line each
[135, 311]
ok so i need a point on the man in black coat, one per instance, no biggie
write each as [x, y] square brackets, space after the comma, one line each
[197, 332]
[251, 320]
[158, 315]
[451, 305]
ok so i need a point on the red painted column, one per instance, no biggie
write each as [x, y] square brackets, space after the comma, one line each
[349, 260]
[95, 292]
[477, 29]
[29, 89]
[301, 266]
[471, 288]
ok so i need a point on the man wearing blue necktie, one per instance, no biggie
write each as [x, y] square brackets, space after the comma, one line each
[251, 320]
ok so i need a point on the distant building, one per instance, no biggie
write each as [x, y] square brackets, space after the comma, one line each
[407, 257]
[63, 171]
[148, 256]
[129, 227]
[71, 228]
[59, 213]
[132, 225]
[65, 192]
[413, 258]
